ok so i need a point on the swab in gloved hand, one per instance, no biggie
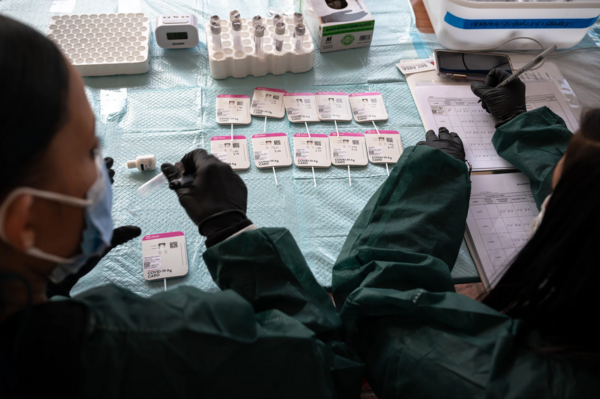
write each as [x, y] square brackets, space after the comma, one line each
[160, 180]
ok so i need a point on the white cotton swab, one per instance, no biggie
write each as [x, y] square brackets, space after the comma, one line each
[312, 167]
[379, 134]
[274, 174]
[165, 284]
[338, 134]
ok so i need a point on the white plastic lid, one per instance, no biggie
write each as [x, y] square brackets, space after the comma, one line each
[214, 19]
[131, 164]
[257, 20]
[276, 19]
[300, 30]
[235, 14]
[237, 24]
[280, 28]
[298, 18]
[215, 29]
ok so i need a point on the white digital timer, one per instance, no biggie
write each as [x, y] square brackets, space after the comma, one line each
[176, 31]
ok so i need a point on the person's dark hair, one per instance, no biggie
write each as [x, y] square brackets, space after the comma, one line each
[33, 102]
[552, 284]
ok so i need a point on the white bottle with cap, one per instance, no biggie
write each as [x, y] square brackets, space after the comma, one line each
[143, 163]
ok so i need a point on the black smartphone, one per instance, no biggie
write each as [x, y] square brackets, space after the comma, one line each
[469, 65]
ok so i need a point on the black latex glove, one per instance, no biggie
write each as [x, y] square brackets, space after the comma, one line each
[108, 161]
[215, 200]
[121, 235]
[450, 143]
[504, 103]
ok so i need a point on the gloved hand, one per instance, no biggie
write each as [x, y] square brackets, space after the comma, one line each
[121, 235]
[450, 143]
[109, 164]
[215, 200]
[504, 103]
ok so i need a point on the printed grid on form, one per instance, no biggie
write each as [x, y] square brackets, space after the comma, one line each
[458, 109]
[499, 221]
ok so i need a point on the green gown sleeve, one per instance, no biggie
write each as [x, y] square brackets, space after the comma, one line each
[534, 142]
[271, 332]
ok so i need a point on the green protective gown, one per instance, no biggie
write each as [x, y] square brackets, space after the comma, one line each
[417, 336]
[271, 332]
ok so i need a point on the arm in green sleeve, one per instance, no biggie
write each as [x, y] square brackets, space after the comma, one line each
[409, 233]
[534, 142]
[266, 268]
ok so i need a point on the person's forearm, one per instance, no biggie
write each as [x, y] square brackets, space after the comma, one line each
[534, 142]
[410, 231]
[266, 267]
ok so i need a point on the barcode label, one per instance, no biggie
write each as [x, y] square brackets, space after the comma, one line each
[240, 103]
[338, 100]
[375, 151]
[152, 262]
[373, 100]
[365, 37]
[275, 97]
[389, 139]
[236, 145]
[307, 101]
[277, 142]
[219, 113]
[317, 143]
[339, 153]
[261, 155]
[361, 117]
[296, 118]
[173, 245]
[355, 142]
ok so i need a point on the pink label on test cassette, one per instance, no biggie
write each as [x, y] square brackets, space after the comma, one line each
[382, 132]
[162, 235]
[311, 135]
[297, 94]
[335, 134]
[330, 93]
[365, 94]
[227, 138]
[258, 136]
[267, 89]
[232, 96]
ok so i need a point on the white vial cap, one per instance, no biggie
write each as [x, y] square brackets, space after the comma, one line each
[131, 164]
[259, 31]
[235, 14]
[257, 20]
[214, 19]
[298, 18]
[215, 29]
[280, 28]
[300, 30]
[276, 19]
[237, 24]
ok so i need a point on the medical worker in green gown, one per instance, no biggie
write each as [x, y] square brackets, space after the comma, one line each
[273, 331]
[535, 334]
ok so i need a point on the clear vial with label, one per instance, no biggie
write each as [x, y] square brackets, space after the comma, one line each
[298, 19]
[276, 20]
[143, 163]
[282, 7]
[279, 32]
[259, 33]
[236, 24]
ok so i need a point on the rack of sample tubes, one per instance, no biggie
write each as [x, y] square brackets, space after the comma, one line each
[240, 47]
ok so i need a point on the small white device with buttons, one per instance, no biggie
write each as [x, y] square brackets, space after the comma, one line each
[177, 31]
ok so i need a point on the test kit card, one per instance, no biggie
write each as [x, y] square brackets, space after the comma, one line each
[165, 256]
[301, 107]
[368, 107]
[332, 106]
[268, 102]
[385, 147]
[232, 152]
[311, 151]
[413, 66]
[271, 150]
[233, 109]
[348, 149]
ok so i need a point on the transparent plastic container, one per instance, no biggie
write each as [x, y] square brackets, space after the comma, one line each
[474, 25]
[281, 7]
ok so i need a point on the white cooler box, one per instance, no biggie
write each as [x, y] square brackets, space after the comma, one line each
[476, 25]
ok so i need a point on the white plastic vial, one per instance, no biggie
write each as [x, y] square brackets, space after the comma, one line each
[279, 32]
[259, 33]
[257, 20]
[236, 24]
[298, 19]
[216, 36]
[276, 20]
[235, 14]
[299, 32]
[143, 163]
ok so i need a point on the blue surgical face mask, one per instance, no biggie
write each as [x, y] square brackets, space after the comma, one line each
[99, 225]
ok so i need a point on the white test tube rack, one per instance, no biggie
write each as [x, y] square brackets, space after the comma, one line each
[227, 61]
